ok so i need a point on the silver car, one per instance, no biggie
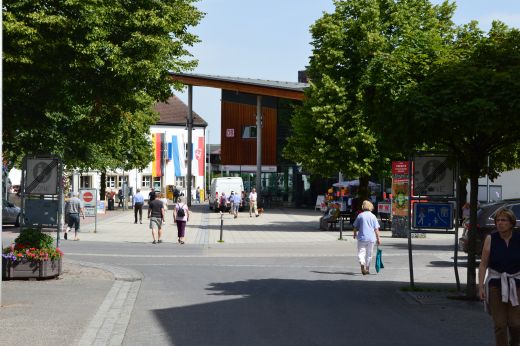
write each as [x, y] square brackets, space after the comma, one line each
[10, 214]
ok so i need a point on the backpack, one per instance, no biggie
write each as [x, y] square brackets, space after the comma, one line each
[180, 212]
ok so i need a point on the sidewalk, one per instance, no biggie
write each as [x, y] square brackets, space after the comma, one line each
[274, 226]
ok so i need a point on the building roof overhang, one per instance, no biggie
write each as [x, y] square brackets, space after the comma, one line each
[287, 90]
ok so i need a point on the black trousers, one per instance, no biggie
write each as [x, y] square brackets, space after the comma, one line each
[138, 207]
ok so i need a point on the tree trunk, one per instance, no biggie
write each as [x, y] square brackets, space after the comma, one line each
[363, 188]
[471, 289]
[102, 188]
[463, 194]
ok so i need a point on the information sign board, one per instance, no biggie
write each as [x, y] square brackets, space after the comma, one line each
[400, 168]
[88, 198]
[433, 215]
[89, 211]
[101, 207]
[41, 212]
[383, 207]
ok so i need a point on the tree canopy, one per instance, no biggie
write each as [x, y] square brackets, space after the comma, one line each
[331, 130]
[467, 105]
[80, 77]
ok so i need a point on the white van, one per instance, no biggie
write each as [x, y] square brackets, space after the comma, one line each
[223, 185]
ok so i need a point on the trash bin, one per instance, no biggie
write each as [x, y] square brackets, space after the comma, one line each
[110, 204]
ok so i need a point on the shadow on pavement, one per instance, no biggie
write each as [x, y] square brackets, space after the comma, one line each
[324, 312]
[422, 247]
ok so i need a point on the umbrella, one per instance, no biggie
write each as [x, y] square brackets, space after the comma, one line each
[379, 260]
[352, 183]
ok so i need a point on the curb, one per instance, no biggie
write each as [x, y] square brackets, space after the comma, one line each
[108, 326]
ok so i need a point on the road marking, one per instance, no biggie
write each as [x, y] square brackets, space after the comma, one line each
[275, 255]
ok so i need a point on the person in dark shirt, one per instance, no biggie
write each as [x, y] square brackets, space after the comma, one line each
[152, 195]
[501, 259]
[156, 216]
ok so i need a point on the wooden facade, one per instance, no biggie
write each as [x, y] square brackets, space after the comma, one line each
[242, 151]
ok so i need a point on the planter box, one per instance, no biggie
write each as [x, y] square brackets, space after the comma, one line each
[31, 270]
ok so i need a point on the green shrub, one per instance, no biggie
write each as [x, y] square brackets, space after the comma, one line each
[33, 237]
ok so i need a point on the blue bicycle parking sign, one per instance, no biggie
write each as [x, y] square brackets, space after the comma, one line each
[433, 215]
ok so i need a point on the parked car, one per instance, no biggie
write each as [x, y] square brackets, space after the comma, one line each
[10, 213]
[486, 222]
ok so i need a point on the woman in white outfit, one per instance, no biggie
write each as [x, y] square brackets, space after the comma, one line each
[366, 230]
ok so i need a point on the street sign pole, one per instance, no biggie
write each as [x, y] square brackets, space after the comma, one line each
[410, 260]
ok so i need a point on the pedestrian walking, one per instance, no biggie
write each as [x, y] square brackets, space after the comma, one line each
[181, 215]
[138, 202]
[73, 211]
[253, 207]
[156, 216]
[197, 194]
[121, 197]
[366, 230]
[501, 259]
[152, 195]
[237, 201]
[223, 202]
[176, 194]
[231, 200]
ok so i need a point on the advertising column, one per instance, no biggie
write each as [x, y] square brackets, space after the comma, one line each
[400, 195]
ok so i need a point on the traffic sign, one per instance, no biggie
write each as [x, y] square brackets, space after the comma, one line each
[433, 215]
[42, 176]
[432, 176]
[88, 197]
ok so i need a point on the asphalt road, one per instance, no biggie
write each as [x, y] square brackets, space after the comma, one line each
[290, 294]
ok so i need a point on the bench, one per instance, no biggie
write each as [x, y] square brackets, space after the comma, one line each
[329, 222]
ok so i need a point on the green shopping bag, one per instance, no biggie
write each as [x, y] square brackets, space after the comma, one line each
[379, 260]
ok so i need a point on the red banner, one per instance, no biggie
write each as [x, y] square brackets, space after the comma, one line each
[157, 139]
[200, 156]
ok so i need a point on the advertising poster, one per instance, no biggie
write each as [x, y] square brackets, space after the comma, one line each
[400, 190]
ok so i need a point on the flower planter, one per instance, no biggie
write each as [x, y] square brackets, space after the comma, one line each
[31, 269]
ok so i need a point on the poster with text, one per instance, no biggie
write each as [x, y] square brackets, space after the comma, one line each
[400, 193]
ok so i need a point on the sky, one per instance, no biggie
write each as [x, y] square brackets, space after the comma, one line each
[270, 39]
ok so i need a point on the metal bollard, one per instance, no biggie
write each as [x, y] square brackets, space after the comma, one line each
[341, 229]
[221, 227]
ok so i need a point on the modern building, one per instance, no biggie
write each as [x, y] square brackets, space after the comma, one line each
[246, 104]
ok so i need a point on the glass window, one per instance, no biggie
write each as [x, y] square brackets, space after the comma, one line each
[111, 181]
[147, 181]
[85, 181]
[122, 179]
[515, 208]
[249, 132]
[180, 182]
[157, 183]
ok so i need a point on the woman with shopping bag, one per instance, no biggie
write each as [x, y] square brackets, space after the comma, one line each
[366, 231]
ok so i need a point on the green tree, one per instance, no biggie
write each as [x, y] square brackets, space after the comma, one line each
[80, 77]
[331, 130]
[468, 105]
